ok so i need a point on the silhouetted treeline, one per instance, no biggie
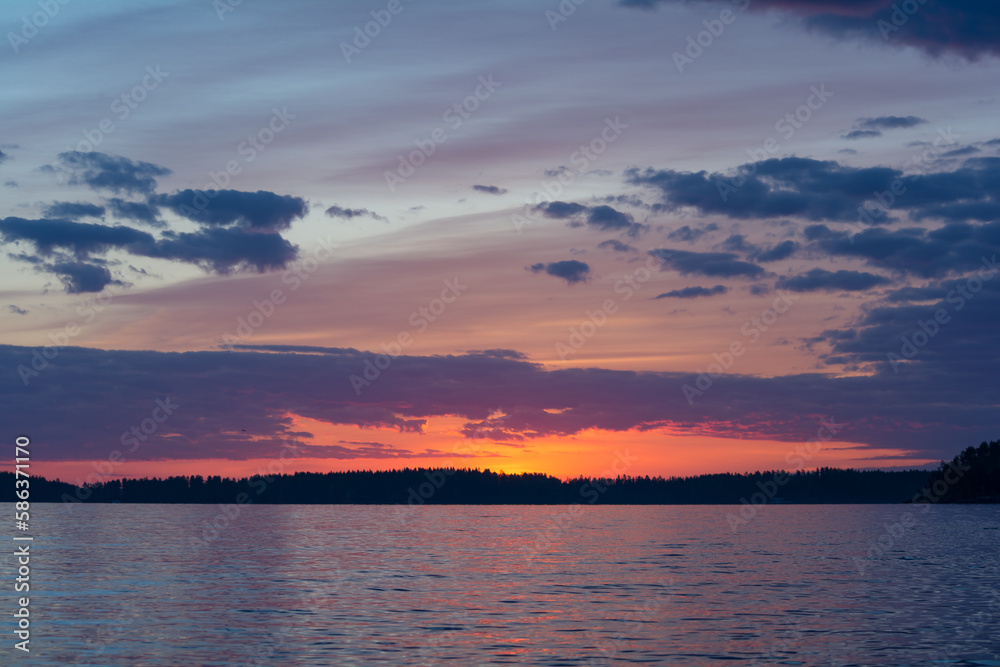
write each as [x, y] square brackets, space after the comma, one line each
[453, 486]
[825, 485]
[972, 476]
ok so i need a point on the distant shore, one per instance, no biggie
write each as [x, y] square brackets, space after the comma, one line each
[449, 486]
[971, 477]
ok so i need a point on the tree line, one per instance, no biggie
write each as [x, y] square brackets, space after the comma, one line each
[972, 476]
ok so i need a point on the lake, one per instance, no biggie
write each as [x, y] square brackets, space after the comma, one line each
[512, 585]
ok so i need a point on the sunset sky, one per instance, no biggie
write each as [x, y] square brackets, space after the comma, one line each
[524, 236]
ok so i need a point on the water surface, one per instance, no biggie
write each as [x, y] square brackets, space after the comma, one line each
[514, 585]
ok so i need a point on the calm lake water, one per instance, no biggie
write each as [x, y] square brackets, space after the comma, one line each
[512, 585]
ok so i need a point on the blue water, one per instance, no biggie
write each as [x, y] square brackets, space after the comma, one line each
[512, 585]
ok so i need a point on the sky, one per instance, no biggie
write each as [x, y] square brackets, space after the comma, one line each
[715, 236]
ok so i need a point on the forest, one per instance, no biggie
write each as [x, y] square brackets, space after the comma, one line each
[972, 476]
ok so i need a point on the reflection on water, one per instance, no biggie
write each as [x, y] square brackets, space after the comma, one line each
[473, 585]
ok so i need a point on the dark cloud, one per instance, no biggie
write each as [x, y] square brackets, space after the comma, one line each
[17, 310]
[79, 238]
[140, 212]
[219, 250]
[602, 217]
[570, 270]
[101, 171]
[351, 213]
[77, 276]
[606, 219]
[964, 27]
[819, 232]
[261, 210]
[80, 277]
[862, 134]
[910, 294]
[693, 292]
[490, 189]
[3, 157]
[737, 243]
[813, 189]
[626, 200]
[713, 264]
[691, 234]
[239, 228]
[215, 395]
[825, 190]
[227, 250]
[943, 332]
[961, 152]
[819, 279]
[889, 122]
[561, 209]
[72, 210]
[615, 245]
[954, 248]
[777, 252]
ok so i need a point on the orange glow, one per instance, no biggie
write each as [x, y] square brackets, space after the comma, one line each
[591, 452]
